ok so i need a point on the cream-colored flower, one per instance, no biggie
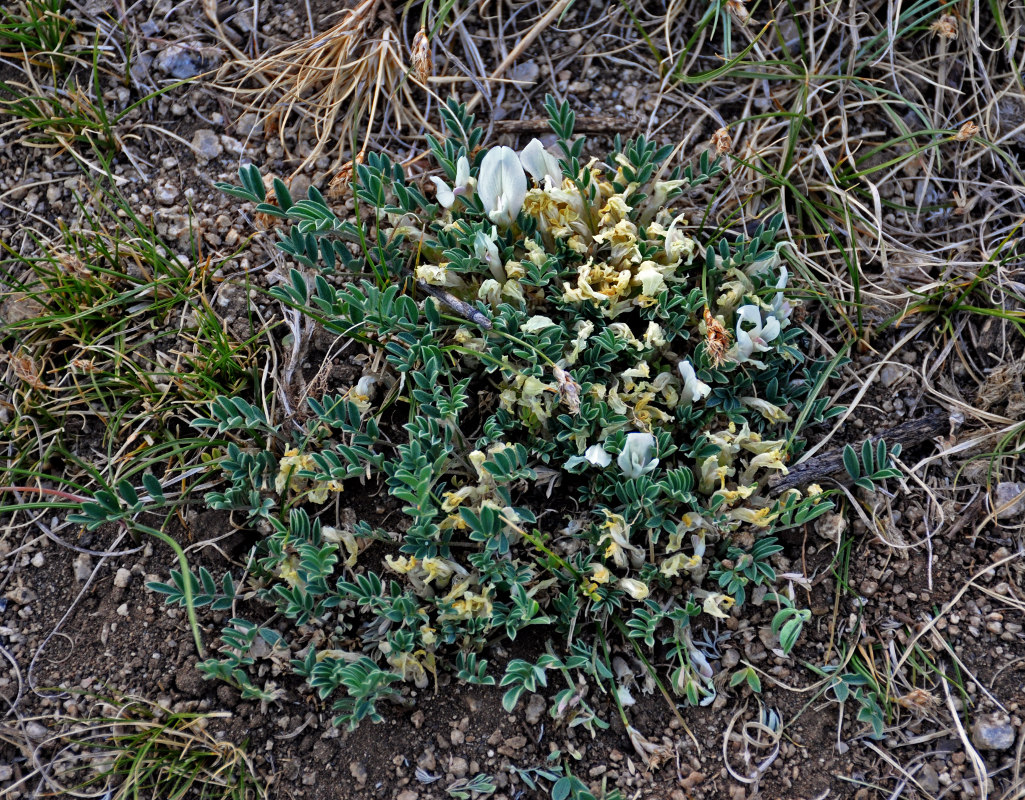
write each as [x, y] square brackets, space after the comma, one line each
[650, 278]
[600, 573]
[485, 247]
[772, 459]
[432, 274]
[464, 183]
[654, 336]
[537, 323]
[636, 589]
[616, 540]
[344, 537]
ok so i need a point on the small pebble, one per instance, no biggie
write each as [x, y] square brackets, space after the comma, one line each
[206, 144]
[993, 732]
[122, 578]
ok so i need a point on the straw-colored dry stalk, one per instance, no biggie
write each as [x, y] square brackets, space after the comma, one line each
[322, 93]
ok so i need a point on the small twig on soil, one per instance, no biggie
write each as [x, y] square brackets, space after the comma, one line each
[465, 310]
[906, 434]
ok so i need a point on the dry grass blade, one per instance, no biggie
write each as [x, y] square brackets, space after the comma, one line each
[319, 92]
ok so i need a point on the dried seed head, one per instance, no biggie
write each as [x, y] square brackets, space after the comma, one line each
[918, 701]
[423, 67]
[967, 131]
[341, 181]
[945, 27]
[738, 10]
[569, 390]
[717, 339]
[722, 141]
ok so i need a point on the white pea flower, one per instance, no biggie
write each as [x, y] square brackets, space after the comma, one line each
[490, 292]
[654, 336]
[502, 185]
[595, 455]
[693, 389]
[485, 247]
[679, 245]
[537, 161]
[755, 340]
[636, 458]
[780, 307]
[446, 195]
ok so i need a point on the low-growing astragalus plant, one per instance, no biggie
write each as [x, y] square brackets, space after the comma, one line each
[577, 408]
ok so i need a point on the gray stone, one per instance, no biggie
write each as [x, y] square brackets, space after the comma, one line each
[526, 72]
[993, 732]
[891, 375]
[183, 60]
[1011, 495]
[83, 567]
[535, 708]
[122, 578]
[929, 780]
[21, 595]
[206, 144]
[165, 193]
[249, 124]
[458, 766]
[36, 732]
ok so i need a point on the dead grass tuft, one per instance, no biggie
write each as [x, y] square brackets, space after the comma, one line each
[318, 94]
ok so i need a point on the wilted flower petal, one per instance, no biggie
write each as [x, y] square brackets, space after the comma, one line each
[636, 589]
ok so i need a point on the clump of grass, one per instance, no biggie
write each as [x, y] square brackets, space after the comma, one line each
[31, 28]
[105, 326]
[134, 748]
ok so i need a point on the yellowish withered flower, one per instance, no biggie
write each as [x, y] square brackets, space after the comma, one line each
[400, 564]
[636, 589]
[716, 605]
[423, 65]
[672, 566]
[600, 573]
[760, 517]
[772, 413]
